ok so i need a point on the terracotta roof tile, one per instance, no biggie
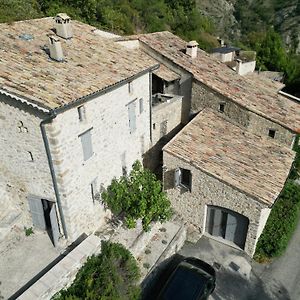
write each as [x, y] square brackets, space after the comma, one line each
[91, 63]
[255, 95]
[254, 165]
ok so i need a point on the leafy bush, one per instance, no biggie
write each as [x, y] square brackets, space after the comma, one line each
[138, 196]
[281, 223]
[111, 275]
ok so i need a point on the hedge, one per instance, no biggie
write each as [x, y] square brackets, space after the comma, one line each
[111, 275]
[281, 223]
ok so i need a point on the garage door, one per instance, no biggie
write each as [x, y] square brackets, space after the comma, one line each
[227, 224]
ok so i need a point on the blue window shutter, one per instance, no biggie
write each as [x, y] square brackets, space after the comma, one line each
[132, 116]
[86, 142]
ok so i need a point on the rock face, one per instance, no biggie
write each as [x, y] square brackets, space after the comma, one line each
[285, 18]
[222, 14]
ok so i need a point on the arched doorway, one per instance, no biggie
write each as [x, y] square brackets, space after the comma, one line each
[227, 224]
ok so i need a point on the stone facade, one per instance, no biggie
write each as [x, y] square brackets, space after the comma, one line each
[165, 117]
[207, 190]
[24, 165]
[114, 150]
[203, 96]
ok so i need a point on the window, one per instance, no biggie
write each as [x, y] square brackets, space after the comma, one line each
[222, 107]
[86, 142]
[141, 103]
[30, 156]
[81, 113]
[272, 133]
[132, 116]
[183, 178]
[94, 191]
[130, 87]
[153, 126]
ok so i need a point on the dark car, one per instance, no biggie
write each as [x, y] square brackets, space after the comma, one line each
[193, 279]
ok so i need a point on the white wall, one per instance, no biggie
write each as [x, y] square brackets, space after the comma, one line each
[112, 142]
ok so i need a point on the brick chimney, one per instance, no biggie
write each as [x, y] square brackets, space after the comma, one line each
[63, 26]
[55, 48]
[192, 49]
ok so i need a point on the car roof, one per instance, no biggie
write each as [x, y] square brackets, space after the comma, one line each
[187, 282]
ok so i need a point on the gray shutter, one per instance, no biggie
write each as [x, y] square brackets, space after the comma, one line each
[217, 223]
[190, 186]
[231, 226]
[86, 141]
[54, 225]
[177, 177]
[241, 231]
[141, 103]
[132, 116]
[37, 212]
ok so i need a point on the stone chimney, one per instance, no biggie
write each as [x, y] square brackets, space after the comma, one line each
[63, 26]
[192, 49]
[55, 48]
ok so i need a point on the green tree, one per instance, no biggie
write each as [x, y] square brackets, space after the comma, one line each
[15, 10]
[139, 196]
[111, 275]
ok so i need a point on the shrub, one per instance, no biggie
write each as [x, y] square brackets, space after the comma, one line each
[111, 275]
[281, 223]
[138, 196]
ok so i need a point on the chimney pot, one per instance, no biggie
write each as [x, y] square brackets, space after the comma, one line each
[55, 48]
[192, 49]
[63, 26]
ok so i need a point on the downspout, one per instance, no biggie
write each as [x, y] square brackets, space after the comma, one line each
[53, 176]
[150, 102]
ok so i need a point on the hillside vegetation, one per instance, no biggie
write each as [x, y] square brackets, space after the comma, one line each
[252, 25]
[121, 16]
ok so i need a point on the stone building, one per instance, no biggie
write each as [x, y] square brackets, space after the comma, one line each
[220, 178]
[74, 113]
[205, 81]
[78, 106]
[218, 170]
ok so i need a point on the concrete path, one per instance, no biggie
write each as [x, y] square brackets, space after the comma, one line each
[22, 257]
[283, 275]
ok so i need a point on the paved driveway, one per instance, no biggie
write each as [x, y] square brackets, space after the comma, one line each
[283, 275]
[235, 279]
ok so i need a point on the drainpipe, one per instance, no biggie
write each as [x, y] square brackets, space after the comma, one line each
[53, 176]
[150, 104]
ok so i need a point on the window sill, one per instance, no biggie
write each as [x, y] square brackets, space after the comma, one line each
[183, 188]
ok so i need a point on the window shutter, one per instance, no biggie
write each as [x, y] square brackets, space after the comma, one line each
[141, 103]
[132, 116]
[86, 141]
[177, 177]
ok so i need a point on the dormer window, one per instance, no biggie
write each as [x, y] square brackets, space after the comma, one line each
[130, 87]
[222, 107]
[81, 113]
[272, 133]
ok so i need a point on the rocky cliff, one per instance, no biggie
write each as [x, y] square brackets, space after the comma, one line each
[234, 18]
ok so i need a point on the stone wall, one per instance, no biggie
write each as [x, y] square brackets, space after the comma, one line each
[185, 83]
[165, 117]
[114, 150]
[207, 190]
[203, 96]
[23, 165]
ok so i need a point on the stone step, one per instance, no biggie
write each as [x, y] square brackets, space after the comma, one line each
[169, 238]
